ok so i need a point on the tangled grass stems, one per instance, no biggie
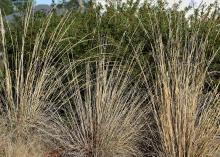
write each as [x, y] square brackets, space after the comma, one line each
[104, 115]
[31, 86]
[185, 110]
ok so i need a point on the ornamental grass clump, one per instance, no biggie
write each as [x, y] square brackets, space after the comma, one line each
[104, 114]
[186, 108]
[30, 87]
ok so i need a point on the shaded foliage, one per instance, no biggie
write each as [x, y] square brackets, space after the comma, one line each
[6, 6]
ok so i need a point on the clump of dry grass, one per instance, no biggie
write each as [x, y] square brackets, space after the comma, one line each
[104, 114]
[30, 88]
[19, 147]
[186, 112]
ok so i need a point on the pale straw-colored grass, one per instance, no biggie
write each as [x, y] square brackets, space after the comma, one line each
[104, 116]
[185, 110]
[29, 88]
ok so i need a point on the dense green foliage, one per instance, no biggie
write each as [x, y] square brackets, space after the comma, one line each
[6, 6]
